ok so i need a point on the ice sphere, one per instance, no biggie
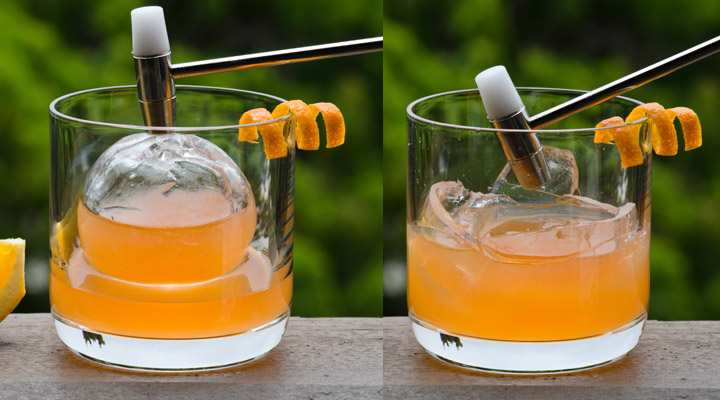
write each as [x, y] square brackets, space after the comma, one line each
[515, 231]
[163, 180]
[166, 209]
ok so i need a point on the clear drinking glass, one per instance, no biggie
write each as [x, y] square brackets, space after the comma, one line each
[169, 251]
[508, 280]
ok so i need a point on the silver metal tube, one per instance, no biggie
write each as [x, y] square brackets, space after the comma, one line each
[156, 90]
[523, 151]
[625, 84]
[279, 57]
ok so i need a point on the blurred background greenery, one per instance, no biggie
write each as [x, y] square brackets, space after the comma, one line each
[433, 47]
[48, 49]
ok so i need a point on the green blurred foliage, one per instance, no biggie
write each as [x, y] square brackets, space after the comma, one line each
[48, 49]
[435, 47]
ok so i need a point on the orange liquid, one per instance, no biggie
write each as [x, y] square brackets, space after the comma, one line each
[462, 290]
[196, 280]
[158, 246]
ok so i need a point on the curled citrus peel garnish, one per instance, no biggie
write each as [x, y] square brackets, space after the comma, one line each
[626, 139]
[307, 133]
[272, 133]
[692, 131]
[663, 133]
[334, 123]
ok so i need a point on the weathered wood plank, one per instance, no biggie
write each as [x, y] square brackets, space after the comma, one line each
[351, 358]
[323, 358]
[674, 360]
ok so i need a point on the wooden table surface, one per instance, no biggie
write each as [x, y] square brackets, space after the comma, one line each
[319, 358]
[674, 360]
[359, 358]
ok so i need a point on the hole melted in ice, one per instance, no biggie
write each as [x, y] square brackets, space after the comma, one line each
[549, 223]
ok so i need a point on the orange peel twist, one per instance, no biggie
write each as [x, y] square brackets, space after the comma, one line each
[307, 133]
[626, 139]
[272, 133]
[334, 123]
[690, 123]
[663, 133]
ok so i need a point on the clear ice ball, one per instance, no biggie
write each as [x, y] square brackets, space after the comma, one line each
[166, 180]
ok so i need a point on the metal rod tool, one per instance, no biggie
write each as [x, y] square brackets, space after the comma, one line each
[156, 74]
[505, 110]
[280, 57]
[625, 84]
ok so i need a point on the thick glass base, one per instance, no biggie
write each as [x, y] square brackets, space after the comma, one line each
[172, 355]
[528, 357]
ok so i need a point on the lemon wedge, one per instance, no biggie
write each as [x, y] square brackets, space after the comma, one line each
[12, 275]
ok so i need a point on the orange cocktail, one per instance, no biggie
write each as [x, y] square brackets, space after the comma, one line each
[507, 275]
[569, 292]
[170, 250]
[190, 278]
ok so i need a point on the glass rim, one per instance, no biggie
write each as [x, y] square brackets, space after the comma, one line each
[55, 112]
[412, 115]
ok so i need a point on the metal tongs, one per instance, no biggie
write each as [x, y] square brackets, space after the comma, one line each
[156, 74]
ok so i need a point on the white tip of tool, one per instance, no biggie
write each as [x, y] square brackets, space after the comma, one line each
[498, 93]
[149, 34]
